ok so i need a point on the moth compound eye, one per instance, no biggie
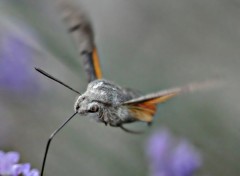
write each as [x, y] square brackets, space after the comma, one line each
[93, 108]
[77, 107]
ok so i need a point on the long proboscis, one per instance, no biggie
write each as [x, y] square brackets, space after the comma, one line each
[55, 79]
[50, 139]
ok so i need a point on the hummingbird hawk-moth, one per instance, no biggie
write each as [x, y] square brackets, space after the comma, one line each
[104, 100]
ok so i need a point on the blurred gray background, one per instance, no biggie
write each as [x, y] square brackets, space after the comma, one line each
[147, 45]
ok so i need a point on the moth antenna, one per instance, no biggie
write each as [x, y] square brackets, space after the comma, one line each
[50, 139]
[55, 79]
[130, 131]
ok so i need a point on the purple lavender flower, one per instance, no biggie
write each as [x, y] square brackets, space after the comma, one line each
[9, 166]
[16, 59]
[167, 159]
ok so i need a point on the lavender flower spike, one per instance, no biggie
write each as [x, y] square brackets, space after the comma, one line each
[9, 166]
[16, 64]
[167, 159]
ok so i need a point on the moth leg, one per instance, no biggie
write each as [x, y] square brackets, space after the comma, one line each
[149, 124]
[130, 131]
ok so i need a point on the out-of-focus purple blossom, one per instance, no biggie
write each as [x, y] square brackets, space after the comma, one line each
[169, 158]
[16, 64]
[9, 166]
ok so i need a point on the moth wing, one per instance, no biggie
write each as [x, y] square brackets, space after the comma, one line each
[82, 33]
[142, 112]
[154, 98]
[144, 107]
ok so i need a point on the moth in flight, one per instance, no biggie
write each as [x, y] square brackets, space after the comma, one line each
[104, 100]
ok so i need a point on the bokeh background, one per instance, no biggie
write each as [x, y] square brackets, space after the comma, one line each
[148, 45]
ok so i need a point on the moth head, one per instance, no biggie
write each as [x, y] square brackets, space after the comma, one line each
[100, 96]
[87, 106]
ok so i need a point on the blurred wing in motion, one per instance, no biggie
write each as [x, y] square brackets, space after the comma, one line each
[144, 107]
[82, 34]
